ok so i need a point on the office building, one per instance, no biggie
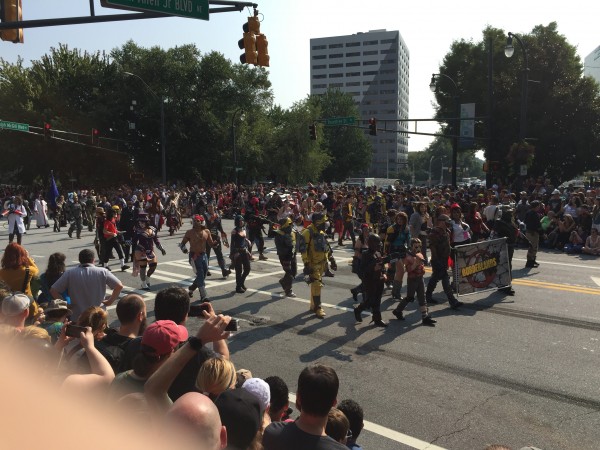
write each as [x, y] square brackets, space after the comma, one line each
[592, 65]
[373, 67]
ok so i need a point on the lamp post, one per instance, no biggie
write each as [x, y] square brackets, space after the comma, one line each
[442, 173]
[433, 87]
[509, 50]
[429, 179]
[235, 161]
[161, 99]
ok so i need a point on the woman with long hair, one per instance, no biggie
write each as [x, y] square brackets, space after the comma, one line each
[18, 269]
[56, 267]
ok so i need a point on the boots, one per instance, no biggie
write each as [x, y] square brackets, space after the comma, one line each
[226, 272]
[145, 286]
[357, 310]
[428, 321]
[262, 257]
[316, 303]
[354, 292]
[396, 289]
[396, 312]
[531, 263]
[377, 320]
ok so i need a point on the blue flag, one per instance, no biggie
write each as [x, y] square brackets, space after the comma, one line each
[53, 192]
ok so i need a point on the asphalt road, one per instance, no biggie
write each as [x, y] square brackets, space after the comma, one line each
[516, 370]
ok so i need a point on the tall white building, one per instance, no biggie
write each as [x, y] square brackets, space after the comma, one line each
[373, 68]
[592, 65]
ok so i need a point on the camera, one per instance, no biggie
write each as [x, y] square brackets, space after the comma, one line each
[196, 310]
[75, 330]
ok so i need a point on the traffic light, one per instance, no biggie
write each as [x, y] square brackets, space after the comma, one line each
[313, 132]
[95, 135]
[373, 126]
[248, 42]
[47, 128]
[263, 52]
[10, 11]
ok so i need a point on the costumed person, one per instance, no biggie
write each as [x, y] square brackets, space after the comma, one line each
[111, 237]
[439, 244]
[58, 213]
[316, 252]
[200, 239]
[273, 206]
[40, 212]
[255, 227]
[172, 213]
[397, 239]
[126, 226]
[360, 247]
[285, 242]
[75, 214]
[414, 262]
[90, 209]
[15, 212]
[143, 242]
[99, 241]
[373, 278]
[240, 254]
[348, 216]
[215, 226]
[505, 227]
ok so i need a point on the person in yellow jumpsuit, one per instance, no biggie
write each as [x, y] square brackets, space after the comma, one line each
[315, 250]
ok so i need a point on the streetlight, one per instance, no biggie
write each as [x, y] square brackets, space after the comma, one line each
[161, 99]
[235, 161]
[442, 172]
[433, 87]
[429, 179]
[509, 50]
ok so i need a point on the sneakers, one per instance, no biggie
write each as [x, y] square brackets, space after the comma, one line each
[290, 294]
[239, 290]
[145, 286]
[320, 313]
[429, 321]
[262, 257]
[399, 314]
[329, 273]
[124, 268]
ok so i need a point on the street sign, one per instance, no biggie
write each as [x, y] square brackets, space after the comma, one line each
[14, 126]
[335, 121]
[196, 9]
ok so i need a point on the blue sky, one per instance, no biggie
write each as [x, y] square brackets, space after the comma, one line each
[428, 27]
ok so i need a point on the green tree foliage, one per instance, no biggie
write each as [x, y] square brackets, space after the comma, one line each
[563, 107]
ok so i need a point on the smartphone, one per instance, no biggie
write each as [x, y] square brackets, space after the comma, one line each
[232, 325]
[75, 330]
[196, 310]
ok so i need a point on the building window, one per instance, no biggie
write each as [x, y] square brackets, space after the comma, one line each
[353, 64]
[336, 55]
[319, 66]
[370, 52]
[387, 91]
[352, 44]
[388, 81]
[390, 51]
[336, 85]
[335, 66]
[387, 72]
[369, 63]
[319, 56]
[336, 45]
[370, 42]
[389, 61]
[336, 75]
[353, 83]
[370, 72]
[353, 74]
[368, 83]
[388, 41]
[318, 77]
[319, 47]
[351, 54]
[319, 86]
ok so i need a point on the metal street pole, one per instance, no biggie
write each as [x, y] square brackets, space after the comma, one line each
[509, 51]
[429, 179]
[442, 173]
[235, 161]
[162, 125]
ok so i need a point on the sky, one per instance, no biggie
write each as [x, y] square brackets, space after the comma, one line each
[428, 28]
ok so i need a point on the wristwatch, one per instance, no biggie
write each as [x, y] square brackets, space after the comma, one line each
[195, 343]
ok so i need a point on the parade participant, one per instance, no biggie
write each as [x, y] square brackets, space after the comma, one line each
[172, 214]
[40, 212]
[439, 244]
[59, 213]
[240, 256]
[15, 212]
[200, 239]
[143, 242]
[99, 240]
[90, 209]
[111, 239]
[273, 206]
[348, 216]
[126, 226]
[415, 269]
[215, 226]
[534, 229]
[315, 253]
[418, 224]
[505, 227]
[373, 278]
[360, 247]
[461, 231]
[75, 215]
[255, 227]
[397, 238]
[285, 242]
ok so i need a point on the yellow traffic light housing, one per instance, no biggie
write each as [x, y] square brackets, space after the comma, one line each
[10, 11]
[248, 43]
[263, 51]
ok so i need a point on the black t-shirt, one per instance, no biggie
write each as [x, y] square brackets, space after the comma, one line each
[287, 436]
[185, 381]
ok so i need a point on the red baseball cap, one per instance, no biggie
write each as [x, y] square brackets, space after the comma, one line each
[198, 217]
[162, 337]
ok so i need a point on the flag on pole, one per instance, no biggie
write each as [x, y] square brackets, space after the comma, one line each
[53, 192]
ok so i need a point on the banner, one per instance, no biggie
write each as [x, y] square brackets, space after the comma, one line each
[482, 266]
[53, 191]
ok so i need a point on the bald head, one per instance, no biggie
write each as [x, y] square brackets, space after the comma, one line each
[197, 414]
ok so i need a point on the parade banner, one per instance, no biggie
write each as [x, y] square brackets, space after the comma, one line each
[481, 266]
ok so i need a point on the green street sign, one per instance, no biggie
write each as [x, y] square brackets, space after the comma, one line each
[335, 121]
[14, 126]
[196, 9]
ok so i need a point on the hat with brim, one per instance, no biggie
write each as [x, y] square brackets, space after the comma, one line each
[57, 305]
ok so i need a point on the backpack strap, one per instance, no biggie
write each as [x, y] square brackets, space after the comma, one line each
[25, 280]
